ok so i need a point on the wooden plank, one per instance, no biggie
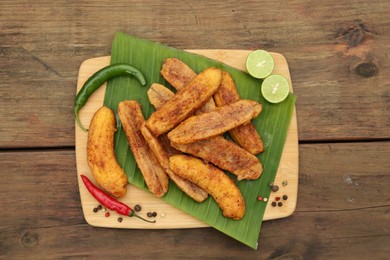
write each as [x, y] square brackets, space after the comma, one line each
[337, 98]
[42, 214]
[175, 218]
[305, 236]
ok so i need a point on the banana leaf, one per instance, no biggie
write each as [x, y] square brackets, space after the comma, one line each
[272, 124]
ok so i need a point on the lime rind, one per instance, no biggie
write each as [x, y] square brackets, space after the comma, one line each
[275, 88]
[260, 64]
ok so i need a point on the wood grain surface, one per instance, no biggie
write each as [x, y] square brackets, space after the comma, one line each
[337, 53]
[172, 217]
[334, 218]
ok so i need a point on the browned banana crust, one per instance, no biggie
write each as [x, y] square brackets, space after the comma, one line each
[101, 155]
[244, 135]
[226, 155]
[159, 94]
[215, 122]
[185, 102]
[179, 74]
[219, 185]
[132, 119]
[186, 186]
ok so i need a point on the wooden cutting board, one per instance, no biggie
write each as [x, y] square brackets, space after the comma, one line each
[169, 216]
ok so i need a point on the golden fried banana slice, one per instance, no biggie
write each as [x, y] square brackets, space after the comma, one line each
[244, 135]
[132, 119]
[219, 185]
[159, 94]
[101, 155]
[179, 74]
[226, 155]
[215, 122]
[161, 146]
[186, 186]
[185, 102]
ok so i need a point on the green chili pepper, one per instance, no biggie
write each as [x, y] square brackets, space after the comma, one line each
[97, 79]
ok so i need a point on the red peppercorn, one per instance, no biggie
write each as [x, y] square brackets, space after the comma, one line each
[107, 214]
[277, 198]
[259, 198]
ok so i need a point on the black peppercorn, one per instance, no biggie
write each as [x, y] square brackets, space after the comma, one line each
[285, 197]
[154, 214]
[275, 188]
[137, 207]
[149, 214]
[120, 220]
[95, 210]
[99, 207]
[273, 204]
[280, 204]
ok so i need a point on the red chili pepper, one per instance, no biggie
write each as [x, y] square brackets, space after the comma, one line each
[109, 202]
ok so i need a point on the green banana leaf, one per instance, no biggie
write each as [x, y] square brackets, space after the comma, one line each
[272, 124]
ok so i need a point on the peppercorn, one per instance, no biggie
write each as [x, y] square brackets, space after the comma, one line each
[154, 214]
[265, 199]
[99, 207]
[149, 214]
[284, 183]
[277, 198]
[107, 214]
[275, 188]
[285, 197]
[137, 207]
[259, 198]
[273, 204]
[120, 220]
[280, 204]
[95, 210]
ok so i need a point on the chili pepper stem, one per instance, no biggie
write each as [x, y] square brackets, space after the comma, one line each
[78, 120]
[133, 214]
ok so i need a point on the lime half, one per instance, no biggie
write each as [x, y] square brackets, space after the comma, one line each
[275, 88]
[259, 64]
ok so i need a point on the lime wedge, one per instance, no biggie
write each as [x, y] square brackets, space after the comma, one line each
[259, 64]
[275, 88]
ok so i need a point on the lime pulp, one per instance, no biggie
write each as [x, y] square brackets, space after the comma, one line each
[275, 88]
[260, 64]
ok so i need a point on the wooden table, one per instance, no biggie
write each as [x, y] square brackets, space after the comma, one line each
[338, 56]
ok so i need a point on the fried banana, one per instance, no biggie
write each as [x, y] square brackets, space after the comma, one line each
[161, 146]
[158, 95]
[226, 155]
[215, 122]
[101, 155]
[132, 119]
[219, 185]
[185, 101]
[179, 74]
[186, 186]
[244, 135]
